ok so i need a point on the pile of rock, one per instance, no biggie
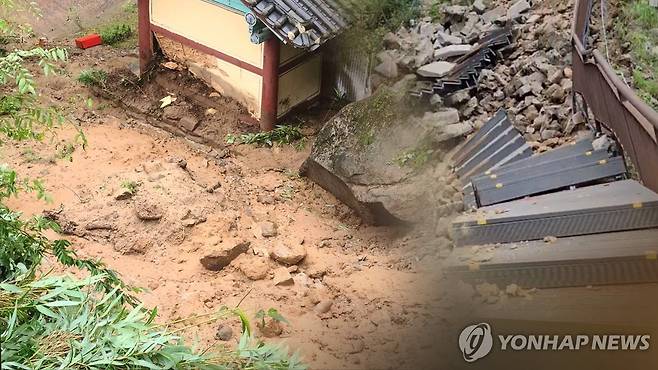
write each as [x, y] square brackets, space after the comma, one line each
[430, 40]
[533, 82]
[384, 157]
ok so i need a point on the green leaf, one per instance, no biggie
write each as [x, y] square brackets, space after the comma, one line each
[46, 311]
[11, 288]
[62, 304]
[146, 364]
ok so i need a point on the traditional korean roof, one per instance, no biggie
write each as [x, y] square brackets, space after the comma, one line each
[301, 23]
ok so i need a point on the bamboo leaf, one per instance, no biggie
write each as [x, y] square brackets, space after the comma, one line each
[46, 311]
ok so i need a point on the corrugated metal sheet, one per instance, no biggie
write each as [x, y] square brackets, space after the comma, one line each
[617, 206]
[611, 258]
[493, 145]
[346, 72]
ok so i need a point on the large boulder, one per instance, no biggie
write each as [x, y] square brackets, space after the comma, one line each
[383, 157]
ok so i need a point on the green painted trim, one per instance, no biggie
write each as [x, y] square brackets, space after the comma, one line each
[236, 5]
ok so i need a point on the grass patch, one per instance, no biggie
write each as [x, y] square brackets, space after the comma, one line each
[10, 104]
[643, 13]
[415, 158]
[115, 34]
[374, 18]
[30, 156]
[636, 26]
[121, 30]
[281, 135]
[130, 186]
[93, 77]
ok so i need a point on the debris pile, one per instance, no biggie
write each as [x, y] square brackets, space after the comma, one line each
[531, 80]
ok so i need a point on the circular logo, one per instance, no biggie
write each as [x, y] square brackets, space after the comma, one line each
[475, 342]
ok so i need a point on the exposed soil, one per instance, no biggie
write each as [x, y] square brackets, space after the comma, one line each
[191, 199]
[66, 17]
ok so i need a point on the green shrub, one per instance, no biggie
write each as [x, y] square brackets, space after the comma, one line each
[635, 26]
[645, 14]
[371, 19]
[281, 134]
[130, 186]
[10, 104]
[60, 323]
[116, 33]
[390, 14]
[93, 77]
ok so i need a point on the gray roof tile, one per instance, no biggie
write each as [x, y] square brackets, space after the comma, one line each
[301, 23]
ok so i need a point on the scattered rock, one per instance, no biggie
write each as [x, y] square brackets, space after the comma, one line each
[173, 112]
[190, 219]
[494, 14]
[282, 277]
[453, 131]
[451, 51]
[123, 194]
[316, 272]
[392, 41]
[97, 225]
[271, 329]
[213, 187]
[479, 6]
[550, 239]
[189, 123]
[602, 143]
[388, 67]
[288, 255]
[323, 306]
[549, 134]
[356, 346]
[517, 9]
[171, 65]
[223, 255]
[267, 229]
[255, 268]
[457, 98]
[265, 199]
[136, 246]
[458, 10]
[513, 290]
[224, 333]
[148, 211]
[568, 73]
[445, 38]
[436, 69]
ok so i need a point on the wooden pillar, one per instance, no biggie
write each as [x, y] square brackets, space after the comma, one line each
[145, 35]
[270, 98]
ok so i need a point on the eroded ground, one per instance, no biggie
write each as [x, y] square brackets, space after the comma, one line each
[357, 299]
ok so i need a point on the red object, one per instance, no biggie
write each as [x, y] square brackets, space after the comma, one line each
[88, 41]
[145, 35]
[270, 97]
